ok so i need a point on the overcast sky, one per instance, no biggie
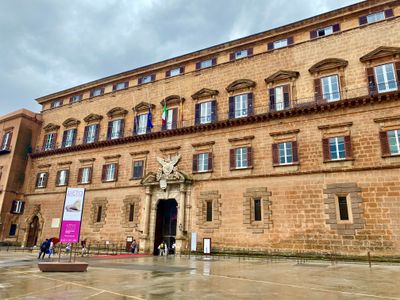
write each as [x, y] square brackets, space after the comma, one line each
[49, 45]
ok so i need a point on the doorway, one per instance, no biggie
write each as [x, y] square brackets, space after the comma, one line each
[33, 232]
[165, 223]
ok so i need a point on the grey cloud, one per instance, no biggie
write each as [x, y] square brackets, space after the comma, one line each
[50, 45]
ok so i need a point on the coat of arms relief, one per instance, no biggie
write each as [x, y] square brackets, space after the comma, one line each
[168, 170]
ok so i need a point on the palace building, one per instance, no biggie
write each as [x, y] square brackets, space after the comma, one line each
[287, 140]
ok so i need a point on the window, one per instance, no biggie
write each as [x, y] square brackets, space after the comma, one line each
[115, 129]
[85, 175]
[209, 213]
[17, 207]
[202, 162]
[146, 79]
[336, 148]
[175, 72]
[110, 172]
[394, 141]
[141, 124]
[91, 134]
[120, 86]
[343, 208]
[13, 230]
[240, 158]
[131, 212]
[69, 138]
[206, 63]
[62, 177]
[280, 43]
[279, 98]
[375, 17]
[385, 78]
[138, 167]
[6, 142]
[330, 88]
[257, 210]
[241, 54]
[171, 119]
[324, 31]
[41, 180]
[75, 98]
[99, 214]
[96, 92]
[56, 103]
[241, 106]
[285, 153]
[205, 112]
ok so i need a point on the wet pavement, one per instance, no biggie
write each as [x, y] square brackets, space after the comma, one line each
[198, 278]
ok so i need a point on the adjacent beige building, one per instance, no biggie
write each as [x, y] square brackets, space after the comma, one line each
[284, 140]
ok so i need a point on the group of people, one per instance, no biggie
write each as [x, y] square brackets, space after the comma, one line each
[163, 249]
[47, 247]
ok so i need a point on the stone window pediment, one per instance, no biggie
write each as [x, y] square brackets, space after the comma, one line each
[282, 75]
[70, 122]
[143, 106]
[205, 93]
[117, 112]
[240, 85]
[93, 118]
[171, 100]
[51, 127]
[381, 52]
[328, 64]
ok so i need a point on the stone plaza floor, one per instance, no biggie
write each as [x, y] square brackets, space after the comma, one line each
[147, 277]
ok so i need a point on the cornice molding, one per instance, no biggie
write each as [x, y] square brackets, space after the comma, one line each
[197, 145]
[240, 84]
[304, 109]
[71, 122]
[138, 153]
[338, 125]
[51, 127]
[278, 133]
[241, 139]
[328, 64]
[204, 93]
[143, 106]
[171, 100]
[93, 118]
[167, 149]
[117, 112]
[380, 52]
[282, 75]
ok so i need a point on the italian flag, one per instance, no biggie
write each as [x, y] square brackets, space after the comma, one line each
[164, 114]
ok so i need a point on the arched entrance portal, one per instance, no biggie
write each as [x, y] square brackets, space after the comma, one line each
[33, 232]
[165, 223]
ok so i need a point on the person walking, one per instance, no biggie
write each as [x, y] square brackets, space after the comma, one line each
[133, 247]
[51, 248]
[68, 248]
[83, 245]
[162, 249]
[44, 247]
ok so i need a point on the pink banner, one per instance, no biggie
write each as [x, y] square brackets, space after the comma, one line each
[70, 231]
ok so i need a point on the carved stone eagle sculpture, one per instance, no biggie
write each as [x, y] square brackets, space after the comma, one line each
[168, 164]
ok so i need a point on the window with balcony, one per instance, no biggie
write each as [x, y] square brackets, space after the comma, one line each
[91, 134]
[141, 124]
[205, 112]
[110, 172]
[385, 78]
[115, 129]
[241, 106]
[330, 88]
[41, 179]
[62, 178]
[69, 138]
[240, 158]
[50, 140]
[279, 98]
[171, 119]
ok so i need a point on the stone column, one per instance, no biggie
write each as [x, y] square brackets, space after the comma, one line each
[144, 238]
[180, 226]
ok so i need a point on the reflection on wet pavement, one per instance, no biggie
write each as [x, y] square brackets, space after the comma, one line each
[198, 278]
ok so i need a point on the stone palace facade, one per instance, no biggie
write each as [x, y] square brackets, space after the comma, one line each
[284, 140]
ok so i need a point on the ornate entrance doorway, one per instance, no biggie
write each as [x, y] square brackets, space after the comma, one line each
[33, 232]
[165, 223]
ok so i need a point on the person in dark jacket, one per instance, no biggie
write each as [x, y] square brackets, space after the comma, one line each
[44, 248]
